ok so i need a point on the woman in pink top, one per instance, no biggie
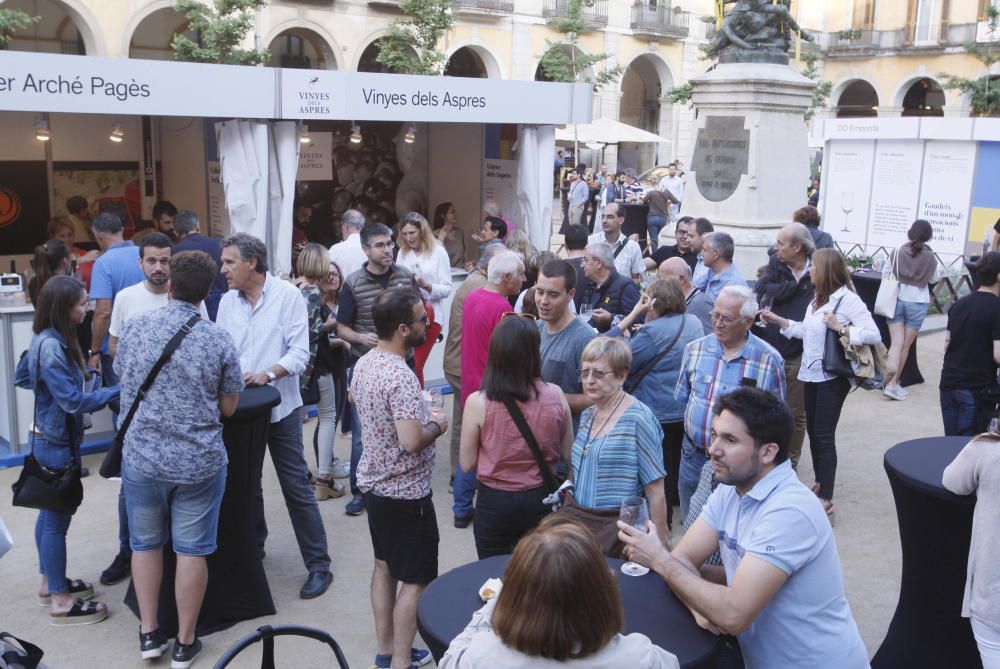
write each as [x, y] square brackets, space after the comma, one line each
[511, 488]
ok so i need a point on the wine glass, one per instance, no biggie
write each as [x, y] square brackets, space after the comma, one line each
[433, 402]
[634, 512]
[766, 302]
[846, 206]
[994, 426]
[585, 312]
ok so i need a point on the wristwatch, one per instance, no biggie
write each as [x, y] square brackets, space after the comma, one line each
[843, 330]
[271, 376]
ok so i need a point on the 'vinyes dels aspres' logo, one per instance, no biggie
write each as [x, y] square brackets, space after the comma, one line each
[10, 206]
[313, 100]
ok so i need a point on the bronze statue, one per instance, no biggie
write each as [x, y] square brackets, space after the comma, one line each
[756, 31]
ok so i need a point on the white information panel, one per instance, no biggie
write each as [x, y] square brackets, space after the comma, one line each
[895, 189]
[847, 185]
[946, 192]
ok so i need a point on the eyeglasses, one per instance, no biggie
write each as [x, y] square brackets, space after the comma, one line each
[531, 317]
[719, 318]
[596, 374]
[382, 246]
[423, 319]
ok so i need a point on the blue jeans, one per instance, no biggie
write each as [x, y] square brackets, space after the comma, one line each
[284, 441]
[356, 448]
[654, 224]
[51, 526]
[692, 460]
[462, 491]
[962, 414]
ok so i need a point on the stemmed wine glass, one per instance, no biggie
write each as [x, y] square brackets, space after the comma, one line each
[433, 402]
[634, 512]
[766, 302]
[585, 312]
[846, 206]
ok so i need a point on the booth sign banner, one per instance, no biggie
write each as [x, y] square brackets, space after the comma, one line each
[721, 155]
[85, 85]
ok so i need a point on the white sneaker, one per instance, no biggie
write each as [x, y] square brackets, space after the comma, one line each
[894, 392]
[340, 469]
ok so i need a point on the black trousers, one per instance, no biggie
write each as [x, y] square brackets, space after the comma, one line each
[824, 401]
[673, 438]
[503, 517]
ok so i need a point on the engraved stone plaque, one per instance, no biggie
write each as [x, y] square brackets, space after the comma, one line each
[720, 158]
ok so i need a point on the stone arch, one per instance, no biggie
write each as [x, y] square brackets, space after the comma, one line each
[932, 95]
[857, 99]
[365, 61]
[317, 44]
[50, 34]
[641, 103]
[151, 33]
[538, 75]
[488, 61]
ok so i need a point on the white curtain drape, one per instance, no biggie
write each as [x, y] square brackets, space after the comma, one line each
[536, 155]
[259, 161]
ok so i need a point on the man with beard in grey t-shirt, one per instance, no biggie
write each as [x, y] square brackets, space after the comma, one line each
[564, 336]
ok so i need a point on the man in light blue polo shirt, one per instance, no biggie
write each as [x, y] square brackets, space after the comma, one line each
[780, 589]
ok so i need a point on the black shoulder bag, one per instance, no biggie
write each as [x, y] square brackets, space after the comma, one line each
[112, 464]
[835, 360]
[551, 481]
[633, 381]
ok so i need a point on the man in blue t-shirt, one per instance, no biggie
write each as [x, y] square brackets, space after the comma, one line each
[780, 587]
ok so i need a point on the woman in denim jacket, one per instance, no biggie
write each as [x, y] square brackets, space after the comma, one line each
[54, 369]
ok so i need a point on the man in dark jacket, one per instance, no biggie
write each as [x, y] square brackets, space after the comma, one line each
[610, 294]
[787, 284]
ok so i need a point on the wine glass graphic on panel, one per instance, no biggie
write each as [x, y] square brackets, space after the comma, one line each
[846, 206]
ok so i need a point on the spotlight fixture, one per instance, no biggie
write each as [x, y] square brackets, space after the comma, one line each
[411, 134]
[304, 137]
[355, 133]
[42, 132]
[117, 134]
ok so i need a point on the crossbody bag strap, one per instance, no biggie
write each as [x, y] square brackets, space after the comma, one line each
[659, 356]
[168, 351]
[522, 425]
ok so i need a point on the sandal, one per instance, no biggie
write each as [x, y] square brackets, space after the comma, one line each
[82, 613]
[328, 489]
[76, 587]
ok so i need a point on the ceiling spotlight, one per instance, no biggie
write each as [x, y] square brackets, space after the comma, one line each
[304, 137]
[117, 134]
[411, 134]
[355, 134]
[42, 132]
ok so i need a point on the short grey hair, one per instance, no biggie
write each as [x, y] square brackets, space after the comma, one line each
[107, 223]
[186, 221]
[249, 247]
[749, 307]
[353, 219]
[488, 253]
[602, 252]
[723, 243]
[507, 262]
[800, 235]
[491, 207]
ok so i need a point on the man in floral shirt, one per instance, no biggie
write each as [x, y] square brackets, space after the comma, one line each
[395, 475]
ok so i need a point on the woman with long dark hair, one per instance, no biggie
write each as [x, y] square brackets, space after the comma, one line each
[511, 485]
[447, 232]
[916, 267]
[54, 368]
[49, 259]
[836, 307]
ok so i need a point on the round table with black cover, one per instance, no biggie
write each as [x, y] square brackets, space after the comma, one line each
[447, 605]
[237, 585]
[866, 282]
[935, 528]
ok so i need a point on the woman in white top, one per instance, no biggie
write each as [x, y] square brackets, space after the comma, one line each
[976, 471]
[916, 268]
[559, 607]
[836, 307]
[424, 255]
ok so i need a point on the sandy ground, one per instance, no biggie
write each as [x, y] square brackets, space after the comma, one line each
[865, 528]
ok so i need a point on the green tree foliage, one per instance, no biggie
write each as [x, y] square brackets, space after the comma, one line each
[412, 44]
[564, 62]
[823, 87]
[222, 27]
[983, 92]
[12, 20]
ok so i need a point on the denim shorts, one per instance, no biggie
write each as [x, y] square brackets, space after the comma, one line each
[911, 314]
[186, 513]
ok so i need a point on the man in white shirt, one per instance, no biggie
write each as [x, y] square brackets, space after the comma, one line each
[673, 183]
[268, 321]
[348, 254]
[628, 255]
[154, 258]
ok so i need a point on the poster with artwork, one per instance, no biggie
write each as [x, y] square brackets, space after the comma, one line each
[24, 205]
[894, 191]
[107, 186]
[500, 170]
[846, 191]
[316, 158]
[985, 196]
[945, 193]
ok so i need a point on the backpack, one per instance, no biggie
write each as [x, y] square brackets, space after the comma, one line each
[19, 654]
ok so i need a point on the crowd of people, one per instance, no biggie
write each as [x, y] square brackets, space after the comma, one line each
[579, 380]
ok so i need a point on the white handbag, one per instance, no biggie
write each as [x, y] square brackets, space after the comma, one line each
[888, 290]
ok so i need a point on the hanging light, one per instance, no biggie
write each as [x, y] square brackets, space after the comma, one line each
[355, 133]
[411, 134]
[117, 134]
[42, 132]
[304, 137]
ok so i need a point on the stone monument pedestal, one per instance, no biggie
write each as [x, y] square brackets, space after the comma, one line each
[750, 167]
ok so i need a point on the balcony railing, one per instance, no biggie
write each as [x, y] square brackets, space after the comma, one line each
[849, 43]
[594, 15]
[660, 21]
[487, 7]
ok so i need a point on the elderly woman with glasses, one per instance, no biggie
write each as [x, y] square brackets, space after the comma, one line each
[617, 451]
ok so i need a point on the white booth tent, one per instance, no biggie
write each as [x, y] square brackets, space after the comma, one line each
[259, 158]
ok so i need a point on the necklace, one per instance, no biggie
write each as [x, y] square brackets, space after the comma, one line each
[590, 426]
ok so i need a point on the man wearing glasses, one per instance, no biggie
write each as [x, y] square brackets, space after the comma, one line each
[356, 325]
[717, 364]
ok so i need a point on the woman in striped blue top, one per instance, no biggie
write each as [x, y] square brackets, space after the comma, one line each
[617, 450]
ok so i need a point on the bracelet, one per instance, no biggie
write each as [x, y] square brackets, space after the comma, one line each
[439, 430]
